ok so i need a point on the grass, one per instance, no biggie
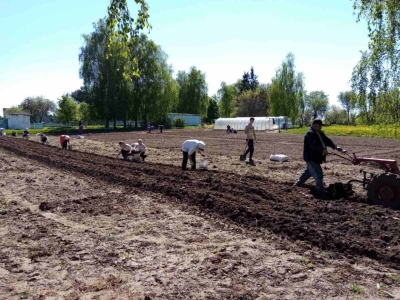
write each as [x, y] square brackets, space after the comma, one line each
[307, 264]
[395, 278]
[91, 129]
[390, 131]
[356, 289]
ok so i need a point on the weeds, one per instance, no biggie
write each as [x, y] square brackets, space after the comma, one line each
[395, 278]
[356, 289]
[390, 131]
[307, 264]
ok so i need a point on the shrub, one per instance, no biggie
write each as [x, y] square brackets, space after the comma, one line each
[179, 122]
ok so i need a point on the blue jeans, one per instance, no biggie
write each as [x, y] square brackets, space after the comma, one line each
[313, 170]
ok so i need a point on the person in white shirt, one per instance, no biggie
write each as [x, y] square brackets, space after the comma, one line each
[141, 148]
[189, 149]
[125, 149]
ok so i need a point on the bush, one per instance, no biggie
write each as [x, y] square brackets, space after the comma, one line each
[179, 122]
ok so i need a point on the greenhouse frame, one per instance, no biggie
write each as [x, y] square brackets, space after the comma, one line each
[260, 123]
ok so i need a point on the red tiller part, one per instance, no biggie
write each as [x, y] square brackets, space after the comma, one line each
[390, 165]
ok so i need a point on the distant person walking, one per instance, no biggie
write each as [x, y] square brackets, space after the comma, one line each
[250, 138]
[80, 127]
[189, 149]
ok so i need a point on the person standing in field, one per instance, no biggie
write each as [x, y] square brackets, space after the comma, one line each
[314, 154]
[250, 138]
[189, 149]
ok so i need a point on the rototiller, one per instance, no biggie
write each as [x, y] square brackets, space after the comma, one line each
[383, 188]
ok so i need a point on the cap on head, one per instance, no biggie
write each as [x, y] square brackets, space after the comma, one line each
[121, 143]
[140, 140]
[318, 121]
[67, 137]
[201, 145]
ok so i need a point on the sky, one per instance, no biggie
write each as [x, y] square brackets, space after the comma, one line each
[41, 40]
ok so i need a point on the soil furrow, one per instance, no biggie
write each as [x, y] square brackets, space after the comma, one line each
[342, 226]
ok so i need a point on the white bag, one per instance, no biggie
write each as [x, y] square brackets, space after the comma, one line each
[203, 164]
[279, 157]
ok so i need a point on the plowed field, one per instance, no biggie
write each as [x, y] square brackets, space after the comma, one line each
[348, 227]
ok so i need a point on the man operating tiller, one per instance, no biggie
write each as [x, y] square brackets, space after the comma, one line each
[314, 154]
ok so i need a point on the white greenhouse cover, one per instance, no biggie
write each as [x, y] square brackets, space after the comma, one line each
[260, 123]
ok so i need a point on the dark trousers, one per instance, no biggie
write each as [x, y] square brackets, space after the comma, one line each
[250, 148]
[186, 158]
[125, 153]
[65, 144]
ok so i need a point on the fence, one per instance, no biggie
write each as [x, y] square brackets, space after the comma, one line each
[4, 123]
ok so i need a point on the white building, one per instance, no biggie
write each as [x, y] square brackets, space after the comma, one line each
[18, 120]
[260, 123]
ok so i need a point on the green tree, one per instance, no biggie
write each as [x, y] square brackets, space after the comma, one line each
[226, 96]
[318, 102]
[128, 31]
[38, 107]
[14, 109]
[68, 109]
[79, 95]
[381, 61]
[253, 103]
[84, 112]
[104, 78]
[286, 90]
[348, 101]
[212, 111]
[336, 115]
[193, 90]
[249, 81]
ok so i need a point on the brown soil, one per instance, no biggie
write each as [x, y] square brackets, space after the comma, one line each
[345, 226]
[83, 226]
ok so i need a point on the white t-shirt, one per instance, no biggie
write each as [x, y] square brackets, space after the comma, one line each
[191, 146]
[141, 148]
[126, 147]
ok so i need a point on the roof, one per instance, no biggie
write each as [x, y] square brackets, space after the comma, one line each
[19, 113]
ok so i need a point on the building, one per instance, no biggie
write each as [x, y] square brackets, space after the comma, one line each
[260, 123]
[191, 120]
[18, 120]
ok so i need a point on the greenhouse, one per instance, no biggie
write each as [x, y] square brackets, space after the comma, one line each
[260, 123]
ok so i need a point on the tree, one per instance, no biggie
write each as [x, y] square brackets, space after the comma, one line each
[286, 90]
[249, 81]
[193, 96]
[226, 96]
[336, 115]
[14, 109]
[347, 100]
[253, 103]
[38, 107]
[128, 30]
[318, 102]
[84, 112]
[68, 109]
[79, 95]
[253, 80]
[381, 62]
[212, 111]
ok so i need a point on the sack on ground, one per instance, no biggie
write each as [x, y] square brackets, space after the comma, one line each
[279, 157]
[203, 164]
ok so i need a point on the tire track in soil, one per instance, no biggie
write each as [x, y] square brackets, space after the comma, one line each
[354, 229]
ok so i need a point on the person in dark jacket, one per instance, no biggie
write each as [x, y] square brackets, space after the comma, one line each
[314, 154]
